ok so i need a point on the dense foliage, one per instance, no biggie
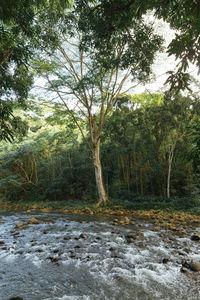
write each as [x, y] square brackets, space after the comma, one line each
[53, 162]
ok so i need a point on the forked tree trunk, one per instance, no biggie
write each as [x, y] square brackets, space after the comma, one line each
[103, 198]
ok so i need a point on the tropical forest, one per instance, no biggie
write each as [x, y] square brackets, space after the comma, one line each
[99, 149]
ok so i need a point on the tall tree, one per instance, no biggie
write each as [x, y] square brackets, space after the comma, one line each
[89, 79]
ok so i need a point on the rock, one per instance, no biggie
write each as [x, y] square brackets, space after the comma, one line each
[33, 220]
[112, 249]
[15, 298]
[2, 221]
[66, 238]
[195, 237]
[183, 270]
[46, 209]
[130, 240]
[73, 254]
[77, 247]
[194, 266]
[124, 221]
[39, 250]
[21, 225]
[53, 259]
[165, 260]
[187, 250]
[56, 251]
[2, 243]
[83, 235]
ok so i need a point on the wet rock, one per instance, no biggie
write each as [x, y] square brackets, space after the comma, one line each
[19, 252]
[4, 248]
[195, 237]
[2, 243]
[33, 220]
[194, 266]
[16, 233]
[98, 238]
[15, 298]
[66, 238]
[112, 249]
[84, 235]
[77, 247]
[183, 270]
[2, 221]
[53, 259]
[165, 260]
[21, 225]
[130, 237]
[45, 232]
[124, 221]
[115, 255]
[181, 253]
[56, 251]
[39, 250]
[73, 254]
[187, 250]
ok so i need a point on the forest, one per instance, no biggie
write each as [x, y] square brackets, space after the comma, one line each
[84, 134]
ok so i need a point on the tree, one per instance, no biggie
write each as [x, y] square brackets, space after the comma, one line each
[104, 19]
[20, 35]
[89, 79]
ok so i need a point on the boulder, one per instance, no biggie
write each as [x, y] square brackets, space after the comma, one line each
[194, 266]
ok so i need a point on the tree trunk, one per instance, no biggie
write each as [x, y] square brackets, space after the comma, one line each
[103, 198]
[170, 160]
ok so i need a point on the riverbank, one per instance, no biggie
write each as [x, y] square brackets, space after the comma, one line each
[162, 219]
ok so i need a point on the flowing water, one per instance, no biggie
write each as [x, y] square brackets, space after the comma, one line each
[49, 260]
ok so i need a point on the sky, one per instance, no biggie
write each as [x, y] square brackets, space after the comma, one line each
[163, 63]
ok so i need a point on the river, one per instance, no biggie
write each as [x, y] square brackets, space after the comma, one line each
[53, 261]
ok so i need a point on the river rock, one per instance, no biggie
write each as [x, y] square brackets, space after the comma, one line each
[124, 221]
[2, 221]
[194, 266]
[2, 242]
[165, 260]
[195, 237]
[33, 220]
[130, 237]
[21, 225]
[84, 235]
[15, 298]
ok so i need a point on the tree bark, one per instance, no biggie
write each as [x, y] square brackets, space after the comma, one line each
[103, 198]
[170, 160]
